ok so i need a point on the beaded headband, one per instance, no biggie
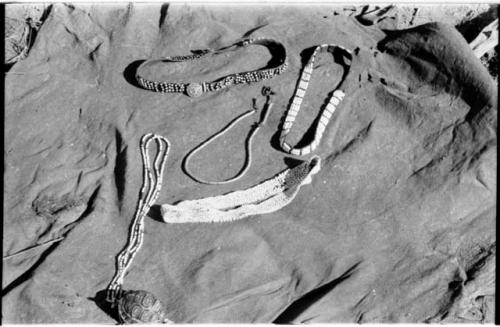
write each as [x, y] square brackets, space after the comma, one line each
[198, 88]
[326, 115]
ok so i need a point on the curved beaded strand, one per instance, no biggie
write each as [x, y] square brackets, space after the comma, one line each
[152, 182]
[266, 91]
[326, 115]
[248, 152]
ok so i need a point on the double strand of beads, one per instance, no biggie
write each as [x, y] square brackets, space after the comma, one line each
[326, 115]
[152, 181]
[196, 89]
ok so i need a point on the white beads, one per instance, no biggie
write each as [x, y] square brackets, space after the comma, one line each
[326, 115]
[339, 94]
[335, 101]
[286, 146]
[303, 85]
[248, 147]
[296, 101]
[294, 107]
[324, 120]
[149, 193]
[320, 130]
[330, 107]
[293, 113]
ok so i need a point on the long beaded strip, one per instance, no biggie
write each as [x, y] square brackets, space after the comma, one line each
[152, 181]
[266, 197]
[266, 91]
[198, 88]
[326, 115]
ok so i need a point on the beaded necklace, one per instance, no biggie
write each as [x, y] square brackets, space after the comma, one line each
[326, 115]
[138, 306]
[196, 89]
[152, 182]
[266, 91]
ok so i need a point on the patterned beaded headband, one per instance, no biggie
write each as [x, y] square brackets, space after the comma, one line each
[326, 115]
[198, 88]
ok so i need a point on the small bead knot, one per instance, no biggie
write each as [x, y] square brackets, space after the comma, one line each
[266, 91]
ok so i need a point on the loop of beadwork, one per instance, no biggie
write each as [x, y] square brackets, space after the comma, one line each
[326, 115]
[196, 89]
[266, 91]
[152, 182]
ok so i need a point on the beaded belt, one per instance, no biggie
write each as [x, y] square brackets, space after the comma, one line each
[198, 88]
[335, 99]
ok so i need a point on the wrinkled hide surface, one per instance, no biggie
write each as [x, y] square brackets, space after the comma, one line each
[398, 226]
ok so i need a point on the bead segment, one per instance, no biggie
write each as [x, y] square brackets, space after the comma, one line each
[293, 110]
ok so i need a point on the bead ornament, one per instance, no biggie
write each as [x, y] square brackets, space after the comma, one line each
[326, 115]
[266, 91]
[266, 197]
[152, 182]
[196, 89]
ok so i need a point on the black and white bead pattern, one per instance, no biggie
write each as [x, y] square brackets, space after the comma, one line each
[326, 115]
[227, 81]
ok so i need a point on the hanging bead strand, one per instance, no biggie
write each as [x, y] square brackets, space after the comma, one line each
[152, 182]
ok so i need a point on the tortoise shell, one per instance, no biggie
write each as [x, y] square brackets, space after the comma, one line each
[140, 307]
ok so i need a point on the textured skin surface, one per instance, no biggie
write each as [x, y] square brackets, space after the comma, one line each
[140, 307]
[397, 226]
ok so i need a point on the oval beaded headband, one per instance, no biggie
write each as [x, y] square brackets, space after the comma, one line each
[326, 115]
[196, 89]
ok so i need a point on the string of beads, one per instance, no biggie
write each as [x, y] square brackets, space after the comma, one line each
[198, 88]
[326, 115]
[266, 91]
[152, 182]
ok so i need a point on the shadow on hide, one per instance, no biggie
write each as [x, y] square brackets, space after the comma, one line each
[302, 304]
[100, 301]
[130, 71]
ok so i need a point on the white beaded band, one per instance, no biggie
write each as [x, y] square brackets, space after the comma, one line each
[326, 115]
[266, 197]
